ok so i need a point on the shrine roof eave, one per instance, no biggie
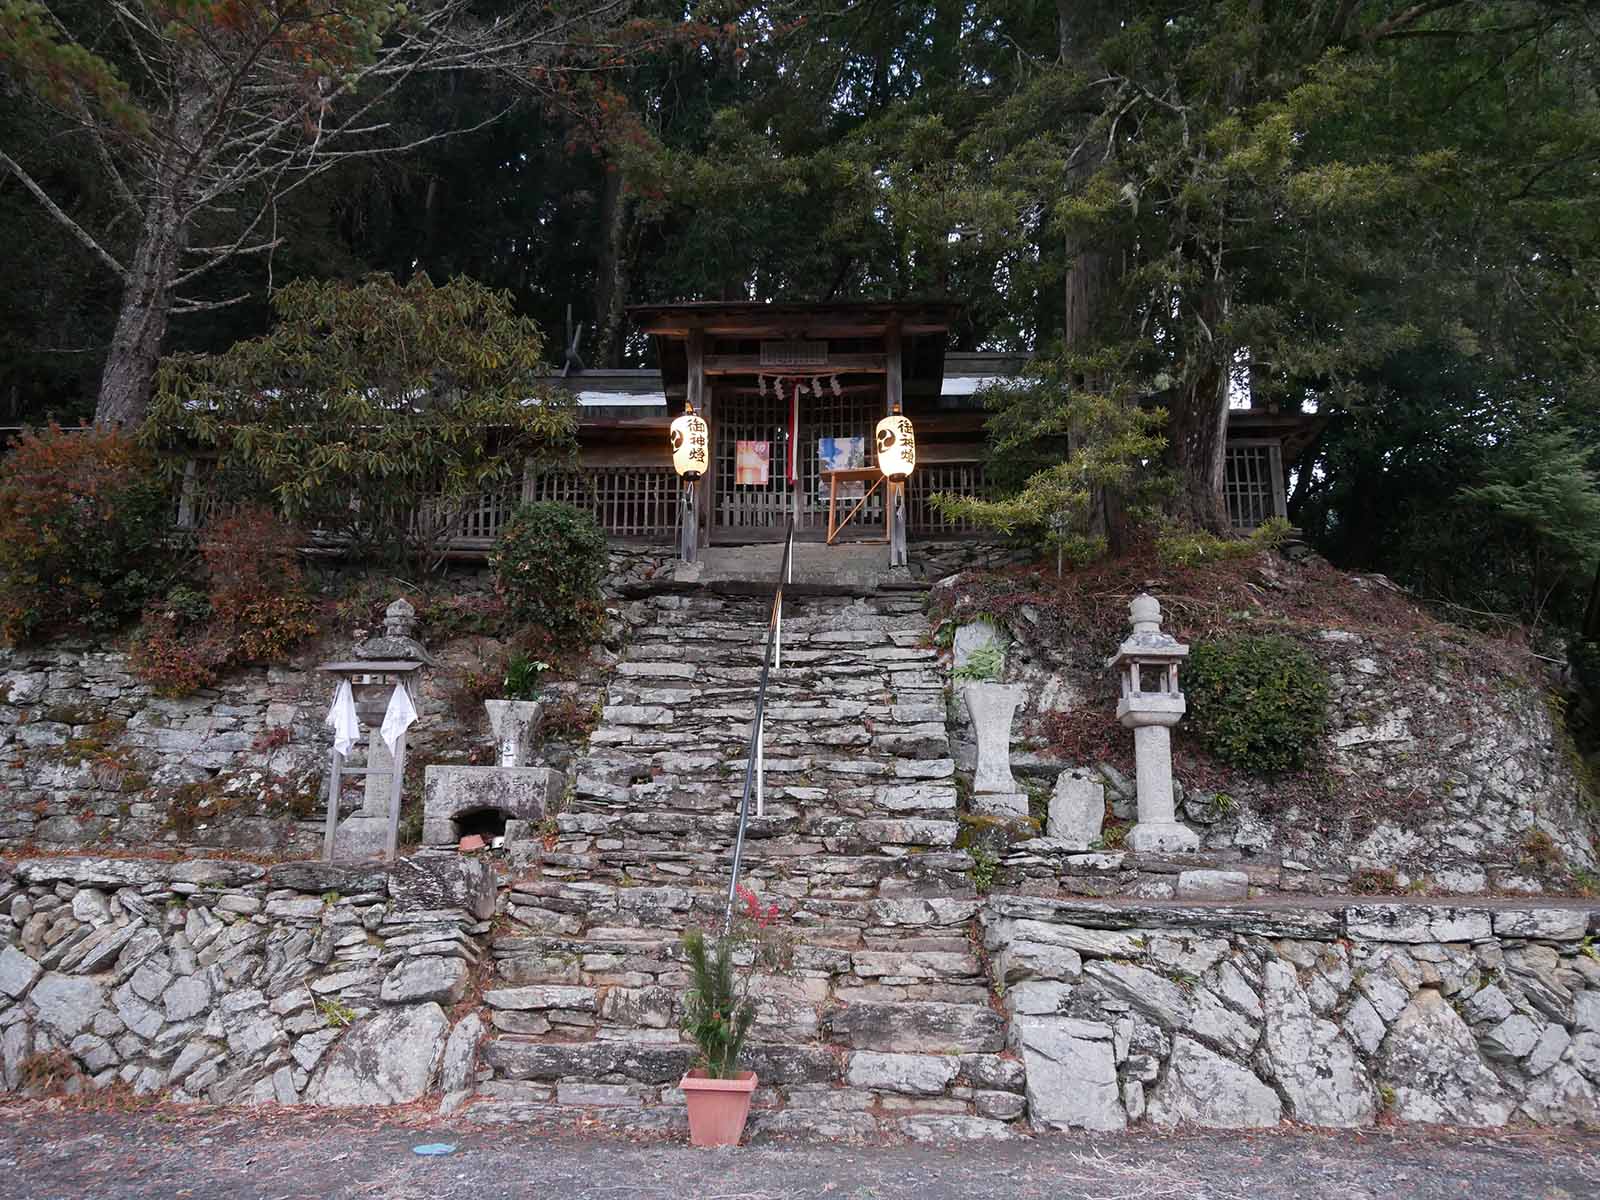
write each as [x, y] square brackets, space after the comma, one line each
[857, 318]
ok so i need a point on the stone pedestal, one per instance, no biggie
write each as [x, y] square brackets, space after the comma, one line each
[1077, 808]
[519, 793]
[991, 707]
[1158, 830]
[516, 726]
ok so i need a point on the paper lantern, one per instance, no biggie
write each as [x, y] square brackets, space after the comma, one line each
[691, 445]
[897, 448]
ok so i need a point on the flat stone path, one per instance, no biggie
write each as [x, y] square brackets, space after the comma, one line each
[170, 1153]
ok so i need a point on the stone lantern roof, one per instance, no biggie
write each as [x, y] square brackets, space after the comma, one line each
[1147, 641]
[398, 640]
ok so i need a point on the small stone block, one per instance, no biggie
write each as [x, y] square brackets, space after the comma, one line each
[1213, 885]
[1077, 807]
[1001, 804]
[1147, 837]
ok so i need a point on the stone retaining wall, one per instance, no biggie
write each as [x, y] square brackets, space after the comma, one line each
[1447, 766]
[304, 983]
[228, 982]
[1233, 1017]
[91, 757]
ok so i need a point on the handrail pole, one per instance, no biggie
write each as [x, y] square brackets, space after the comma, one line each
[753, 746]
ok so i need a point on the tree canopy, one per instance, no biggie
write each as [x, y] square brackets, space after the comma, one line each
[1383, 213]
[379, 413]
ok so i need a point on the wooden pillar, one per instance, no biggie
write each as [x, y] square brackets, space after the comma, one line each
[895, 493]
[335, 788]
[700, 509]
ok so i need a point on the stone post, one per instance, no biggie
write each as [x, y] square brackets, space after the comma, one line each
[1151, 705]
[991, 707]
[515, 724]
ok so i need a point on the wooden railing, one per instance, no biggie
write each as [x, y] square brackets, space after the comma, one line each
[956, 478]
[627, 502]
[633, 503]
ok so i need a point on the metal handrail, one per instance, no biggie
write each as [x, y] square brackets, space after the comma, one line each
[753, 757]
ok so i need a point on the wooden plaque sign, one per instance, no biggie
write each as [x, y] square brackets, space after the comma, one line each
[794, 354]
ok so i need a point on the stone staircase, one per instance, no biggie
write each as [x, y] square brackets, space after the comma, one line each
[884, 1017]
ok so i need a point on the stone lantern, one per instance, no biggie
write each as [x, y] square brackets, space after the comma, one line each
[1151, 705]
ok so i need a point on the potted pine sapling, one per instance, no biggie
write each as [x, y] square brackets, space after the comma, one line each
[717, 1016]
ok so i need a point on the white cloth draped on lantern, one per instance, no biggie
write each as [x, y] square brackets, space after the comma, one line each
[397, 718]
[342, 719]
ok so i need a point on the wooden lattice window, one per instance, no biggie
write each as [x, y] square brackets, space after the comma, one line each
[1252, 482]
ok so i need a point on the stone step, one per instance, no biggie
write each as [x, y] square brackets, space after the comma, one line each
[602, 774]
[643, 918]
[913, 741]
[679, 680]
[632, 834]
[684, 805]
[876, 1029]
[709, 658]
[521, 1058]
[812, 873]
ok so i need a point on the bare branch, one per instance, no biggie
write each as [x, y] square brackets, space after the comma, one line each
[50, 206]
[103, 153]
[181, 306]
[1407, 18]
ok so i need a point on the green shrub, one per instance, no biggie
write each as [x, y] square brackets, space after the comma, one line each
[1194, 547]
[984, 665]
[83, 522]
[320, 416]
[548, 564]
[1257, 702]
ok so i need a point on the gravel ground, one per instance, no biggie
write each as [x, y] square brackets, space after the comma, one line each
[50, 1152]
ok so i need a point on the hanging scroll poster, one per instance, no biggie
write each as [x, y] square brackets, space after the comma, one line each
[842, 454]
[752, 463]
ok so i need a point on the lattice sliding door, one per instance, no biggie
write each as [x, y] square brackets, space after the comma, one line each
[748, 507]
[754, 509]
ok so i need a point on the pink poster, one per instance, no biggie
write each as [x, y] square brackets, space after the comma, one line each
[752, 463]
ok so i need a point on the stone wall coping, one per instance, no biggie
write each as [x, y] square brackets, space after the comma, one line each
[310, 876]
[1326, 918]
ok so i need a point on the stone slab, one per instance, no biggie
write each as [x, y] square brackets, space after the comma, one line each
[520, 793]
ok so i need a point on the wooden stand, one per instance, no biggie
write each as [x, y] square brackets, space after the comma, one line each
[854, 475]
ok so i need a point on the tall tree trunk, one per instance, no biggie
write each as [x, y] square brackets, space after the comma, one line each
[1197, 432]
[1090, 268]
[128, 380]
[611, 275]
[1197, 441]
[129, 376]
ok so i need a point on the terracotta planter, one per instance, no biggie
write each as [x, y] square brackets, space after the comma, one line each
[717, 1107]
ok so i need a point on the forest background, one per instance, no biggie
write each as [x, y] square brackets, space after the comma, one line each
[1383, 213]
